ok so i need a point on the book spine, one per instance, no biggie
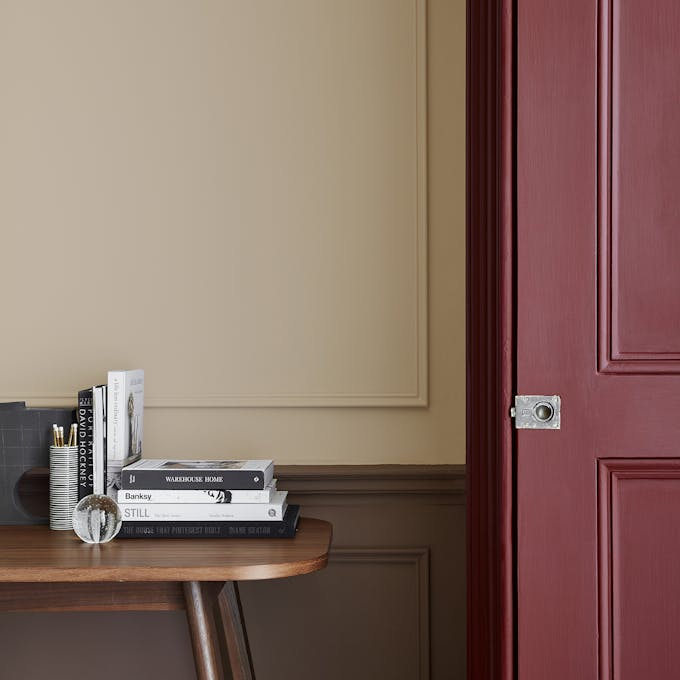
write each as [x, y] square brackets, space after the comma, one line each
[284, 529]
[116, 413]
[105, 480]
[98, 447]
[85, 462]
[196, 479]
[196, 496]
[204, 512]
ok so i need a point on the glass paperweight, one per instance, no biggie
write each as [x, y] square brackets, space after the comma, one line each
[96, 519]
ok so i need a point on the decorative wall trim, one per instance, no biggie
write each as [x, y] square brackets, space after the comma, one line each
[418, 396]
[386, 514]
[447, 481]
[421, 396]
[419, 557]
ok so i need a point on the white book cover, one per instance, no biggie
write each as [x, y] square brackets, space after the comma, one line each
[125, 414]
[99, 439]
[206, 512]
[197, 495]
[113, 472]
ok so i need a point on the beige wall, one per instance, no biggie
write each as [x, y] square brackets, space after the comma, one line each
[261, 203]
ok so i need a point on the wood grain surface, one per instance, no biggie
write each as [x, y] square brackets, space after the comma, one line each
[37, 554]
[91, 597]
[236, 638]
[203, 630]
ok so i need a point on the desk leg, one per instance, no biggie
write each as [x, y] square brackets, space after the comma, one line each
[200, 602]
[235, 632]
[203, 631]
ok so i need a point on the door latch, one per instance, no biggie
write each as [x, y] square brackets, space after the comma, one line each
[536, 412]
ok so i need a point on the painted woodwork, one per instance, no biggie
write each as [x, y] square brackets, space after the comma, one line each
[597, 323]
[490, 338]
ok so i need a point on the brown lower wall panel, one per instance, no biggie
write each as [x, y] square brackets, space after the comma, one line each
[391, 603]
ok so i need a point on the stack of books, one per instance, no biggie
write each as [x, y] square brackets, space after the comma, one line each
[204, 499]
[110, 424]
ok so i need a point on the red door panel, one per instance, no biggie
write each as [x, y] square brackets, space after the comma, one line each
[639, 170]
[639, 514]
[598, 322]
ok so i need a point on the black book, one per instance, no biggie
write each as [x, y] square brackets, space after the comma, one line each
[153, 473]
[85, 421]
[284, 528]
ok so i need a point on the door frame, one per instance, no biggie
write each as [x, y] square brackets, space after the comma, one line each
[490, 335]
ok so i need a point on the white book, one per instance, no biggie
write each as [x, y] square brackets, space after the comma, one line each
[113, 471]
[99, 439]
[198, 495]
[125, 414]
[206, 512]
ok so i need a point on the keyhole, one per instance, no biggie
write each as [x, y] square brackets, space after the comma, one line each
[543, 412]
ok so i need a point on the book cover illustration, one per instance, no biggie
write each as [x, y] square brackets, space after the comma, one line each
[202, 465]
[113, 478]
[126, 415]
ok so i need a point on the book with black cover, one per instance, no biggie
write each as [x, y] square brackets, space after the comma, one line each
[85, 421]
[197, 474]
[284, 528]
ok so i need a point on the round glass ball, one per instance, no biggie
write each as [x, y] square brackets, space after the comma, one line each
[97, 519]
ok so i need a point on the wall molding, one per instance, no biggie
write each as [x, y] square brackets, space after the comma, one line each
[419, 558]
[371, 481]
[396, 490]
[397, 514]
[418, 396]
[417, 399]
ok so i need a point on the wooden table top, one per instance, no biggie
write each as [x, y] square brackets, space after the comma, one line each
[37, 554]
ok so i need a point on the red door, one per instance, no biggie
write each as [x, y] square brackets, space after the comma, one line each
[598, 323]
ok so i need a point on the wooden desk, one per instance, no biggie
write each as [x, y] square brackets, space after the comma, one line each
[43, 570]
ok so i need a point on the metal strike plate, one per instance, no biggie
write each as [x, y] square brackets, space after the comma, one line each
[536, 412]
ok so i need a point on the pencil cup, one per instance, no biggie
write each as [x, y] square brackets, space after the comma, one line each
[63, 486]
